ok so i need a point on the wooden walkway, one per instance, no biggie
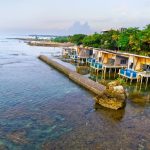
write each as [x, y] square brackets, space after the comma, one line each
[92, 86]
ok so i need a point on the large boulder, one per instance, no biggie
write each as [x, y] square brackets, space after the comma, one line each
[113, 83]
[113, 97]
[112, 103]
[119, 90]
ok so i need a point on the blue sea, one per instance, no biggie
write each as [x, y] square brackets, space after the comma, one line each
[41, 109]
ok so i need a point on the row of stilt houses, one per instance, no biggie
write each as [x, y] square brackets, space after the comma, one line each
[128, 66]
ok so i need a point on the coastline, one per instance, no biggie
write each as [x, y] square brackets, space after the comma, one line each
[53, 103]
[45, 42]
[49, 44]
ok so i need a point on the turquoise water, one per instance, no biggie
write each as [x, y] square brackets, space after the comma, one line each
[42, 109]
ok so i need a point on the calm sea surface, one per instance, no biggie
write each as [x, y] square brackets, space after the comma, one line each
[42, 109]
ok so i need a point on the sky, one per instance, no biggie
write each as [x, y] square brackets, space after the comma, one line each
[71, 16]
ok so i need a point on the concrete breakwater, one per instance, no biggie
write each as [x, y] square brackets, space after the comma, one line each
[92, 86]
[112, 96]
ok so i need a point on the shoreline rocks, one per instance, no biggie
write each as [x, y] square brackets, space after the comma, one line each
[49, 44]
[114, 97]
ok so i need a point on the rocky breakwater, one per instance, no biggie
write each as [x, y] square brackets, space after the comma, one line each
[114, 97]
[48, 43]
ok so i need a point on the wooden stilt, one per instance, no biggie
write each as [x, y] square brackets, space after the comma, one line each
[102, 73]
[105, 73]
[141, 80]
[115, 73]
[109, 72]
[146, 83]
[130, 81]
[119, 73]
[138, 79]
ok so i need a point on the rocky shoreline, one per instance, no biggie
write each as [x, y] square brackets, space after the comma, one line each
[49, 44]
[114, 97]
[43, 42]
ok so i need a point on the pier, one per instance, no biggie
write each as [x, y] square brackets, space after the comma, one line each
[90, 85]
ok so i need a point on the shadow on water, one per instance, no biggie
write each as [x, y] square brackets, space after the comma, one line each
[138, 94]
[112, 115]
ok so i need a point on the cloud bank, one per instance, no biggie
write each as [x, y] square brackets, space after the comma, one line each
[69, 17]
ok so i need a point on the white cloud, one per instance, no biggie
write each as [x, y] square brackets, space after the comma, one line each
[49, 15]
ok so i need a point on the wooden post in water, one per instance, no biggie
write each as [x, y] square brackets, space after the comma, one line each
[146, 83]
[115, 73]
[109, 72]
[104, 72]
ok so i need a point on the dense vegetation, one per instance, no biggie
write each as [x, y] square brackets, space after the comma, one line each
[61, 39]
[131, 39]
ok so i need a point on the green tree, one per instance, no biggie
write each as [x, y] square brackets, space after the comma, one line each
[108, 40]
[92, 40]
[61, 39]
[146, 39]
[135, 39]
[128, 39]
[77, 38]
[131, 39]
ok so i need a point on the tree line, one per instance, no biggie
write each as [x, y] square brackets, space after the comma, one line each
[131, 40]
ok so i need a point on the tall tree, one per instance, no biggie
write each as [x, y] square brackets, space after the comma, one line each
[77, 38]
[92, 40]
[146, 38]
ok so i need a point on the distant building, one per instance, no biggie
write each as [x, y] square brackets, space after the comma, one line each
[105, 31]
[122, 29]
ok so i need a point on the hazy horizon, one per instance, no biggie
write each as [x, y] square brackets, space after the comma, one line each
[70, 17]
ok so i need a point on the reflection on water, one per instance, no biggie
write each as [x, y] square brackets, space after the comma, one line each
[133, 90]
[42, 109]
[113, 115]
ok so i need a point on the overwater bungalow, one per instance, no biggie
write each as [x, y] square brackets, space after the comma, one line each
[92, 58]
[110, 61]
[81, 54]
[138, 68]
[66, 52]
[129, 66]
[84, 53]
[95, 62]
[69, 51]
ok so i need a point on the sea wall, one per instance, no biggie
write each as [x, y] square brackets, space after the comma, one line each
[92, 86]
[55, 64]
[113, 96]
